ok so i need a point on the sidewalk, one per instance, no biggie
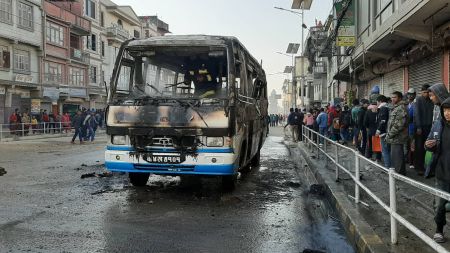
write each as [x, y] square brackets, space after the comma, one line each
[44, 136]
[368, 222]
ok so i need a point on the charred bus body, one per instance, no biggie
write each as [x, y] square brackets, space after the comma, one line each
[185, 105]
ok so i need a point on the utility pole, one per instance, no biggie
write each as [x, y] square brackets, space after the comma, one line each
[302, 95]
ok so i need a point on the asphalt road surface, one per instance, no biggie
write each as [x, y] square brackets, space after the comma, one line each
[47, 207]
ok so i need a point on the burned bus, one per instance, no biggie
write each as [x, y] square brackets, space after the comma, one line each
[185, 105]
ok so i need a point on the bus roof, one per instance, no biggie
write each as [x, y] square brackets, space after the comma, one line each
[184, 40]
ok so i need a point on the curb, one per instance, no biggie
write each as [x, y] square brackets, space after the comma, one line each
[359, 232]
[43, 136]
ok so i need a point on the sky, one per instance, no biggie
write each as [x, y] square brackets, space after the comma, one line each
[261, 28]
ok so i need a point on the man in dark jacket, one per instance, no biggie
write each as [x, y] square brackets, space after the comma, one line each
[361, 115]
[423, 118]
[77, 123]
[382, 121]
[370, 123]
[440, 144]
[299, 123]
[397, 132]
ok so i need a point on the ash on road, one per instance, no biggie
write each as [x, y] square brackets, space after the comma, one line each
[47, 207]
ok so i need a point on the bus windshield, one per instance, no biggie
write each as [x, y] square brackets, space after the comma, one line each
[173, 72]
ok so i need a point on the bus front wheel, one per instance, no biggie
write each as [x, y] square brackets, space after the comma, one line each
[229, 182]
[138, 179]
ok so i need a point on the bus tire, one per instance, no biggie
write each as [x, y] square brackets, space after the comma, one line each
[229, 182]
[138, 179]
[255, 162]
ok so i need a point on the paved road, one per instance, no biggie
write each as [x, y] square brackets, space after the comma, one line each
[47, 207]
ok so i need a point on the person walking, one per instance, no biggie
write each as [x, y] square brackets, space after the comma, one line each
[440, 145]
[382, 122]
[423, 119]
[77, 123]
[292, 123]
[397, 132]
[300, 117]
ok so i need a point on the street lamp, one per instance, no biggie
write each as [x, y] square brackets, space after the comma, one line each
[302, 95]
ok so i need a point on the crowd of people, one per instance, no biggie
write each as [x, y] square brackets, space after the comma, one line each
[402, 131]
[84, 123]
[276, 119]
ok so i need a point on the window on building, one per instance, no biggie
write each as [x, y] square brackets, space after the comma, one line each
[21, 60]
[55, 34]
[24, 16]
[90, 8]
[102, 19]
[5, 57]
[137, 34]
[102, 77]
[103, 48]
[53, 72]
[147, 34]
[6, 11]
[119, 23]
[93, 74]
[92, 42]
[76, 76]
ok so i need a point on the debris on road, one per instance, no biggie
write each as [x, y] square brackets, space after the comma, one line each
[2, 171]
[88, 175]
[93, 174]
[317, 189]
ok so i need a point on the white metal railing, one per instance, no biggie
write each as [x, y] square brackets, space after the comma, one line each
[28, 129]
[314, 140]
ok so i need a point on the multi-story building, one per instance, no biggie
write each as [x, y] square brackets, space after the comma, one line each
[95, 44]
[152, 26]
[65, 63]
[121, 23]
[20, 50]
[317, 67]
[399, 44]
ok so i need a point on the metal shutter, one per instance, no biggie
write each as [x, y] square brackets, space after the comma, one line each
[363, 91]
[392, 81]
[427, 71]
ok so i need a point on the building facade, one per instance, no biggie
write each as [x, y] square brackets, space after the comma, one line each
[65, 62]
[21, 50]
[399, 44]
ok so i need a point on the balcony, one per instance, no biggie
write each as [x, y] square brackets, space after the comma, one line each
[79, 56]
[117, 33]
[79, 25]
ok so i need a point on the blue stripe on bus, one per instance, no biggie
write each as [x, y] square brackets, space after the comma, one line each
[214, 170]
[169, 150]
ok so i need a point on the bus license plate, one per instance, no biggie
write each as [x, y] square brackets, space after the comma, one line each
[168, 159]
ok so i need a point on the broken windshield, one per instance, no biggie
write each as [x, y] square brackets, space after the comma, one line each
[175, 72]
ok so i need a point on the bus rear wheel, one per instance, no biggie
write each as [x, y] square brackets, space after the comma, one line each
[138, 179]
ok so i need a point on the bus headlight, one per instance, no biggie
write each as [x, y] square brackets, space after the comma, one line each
[119, 140]
[214, 141]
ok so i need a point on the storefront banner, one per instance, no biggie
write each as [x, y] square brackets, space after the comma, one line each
[346, 35]
[51, 92]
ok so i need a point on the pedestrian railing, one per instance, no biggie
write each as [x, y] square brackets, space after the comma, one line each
[332, 149]
[28, 129]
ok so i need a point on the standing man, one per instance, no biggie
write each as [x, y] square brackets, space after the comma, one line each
[440, 145]
[397, 132]
[322, 122]
[423, 119]
[345, 120]
[410, 147]
[354, 112]
[360, 117]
